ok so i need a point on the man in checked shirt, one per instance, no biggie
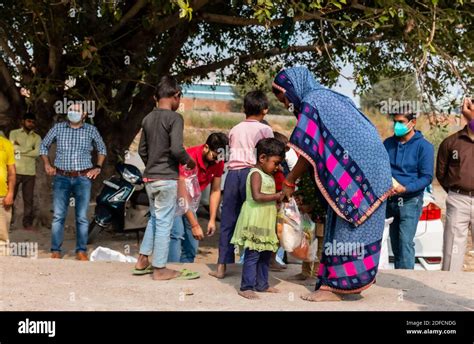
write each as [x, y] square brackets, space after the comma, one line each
[73, 173]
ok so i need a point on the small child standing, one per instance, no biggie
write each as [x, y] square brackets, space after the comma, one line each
[242, 141]
[255, 228]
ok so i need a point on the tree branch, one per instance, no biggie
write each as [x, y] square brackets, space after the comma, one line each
[132, 12]
[11, 88]
[205, 69]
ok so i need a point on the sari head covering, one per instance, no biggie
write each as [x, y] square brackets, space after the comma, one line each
[340, 142]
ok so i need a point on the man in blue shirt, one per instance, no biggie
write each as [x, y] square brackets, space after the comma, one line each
[412, 163]
[72, 171]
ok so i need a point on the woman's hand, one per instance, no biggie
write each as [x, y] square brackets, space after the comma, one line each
[287, 192]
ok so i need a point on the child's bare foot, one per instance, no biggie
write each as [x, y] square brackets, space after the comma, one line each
[249, 294]
[142, 262]
[220, 272]
[163, 274]
[270, 290]
[299, 277]
[321, 296]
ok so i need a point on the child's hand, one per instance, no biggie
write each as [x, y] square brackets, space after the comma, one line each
[282, 197]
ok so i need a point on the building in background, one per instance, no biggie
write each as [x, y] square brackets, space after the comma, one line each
[205, 96]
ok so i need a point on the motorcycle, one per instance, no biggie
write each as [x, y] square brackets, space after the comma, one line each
[122, 203]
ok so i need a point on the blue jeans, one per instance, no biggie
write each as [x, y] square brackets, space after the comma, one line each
[156, 241]
[183, 246]
[80, 189]
[406, 213]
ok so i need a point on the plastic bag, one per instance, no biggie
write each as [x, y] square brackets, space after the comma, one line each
[289, 230]
[189, 192]
[308, 249]
[109, 255]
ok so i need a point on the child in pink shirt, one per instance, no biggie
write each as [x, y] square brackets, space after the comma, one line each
[243, 139]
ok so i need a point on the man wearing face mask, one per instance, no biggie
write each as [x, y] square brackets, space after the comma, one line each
[73, 172]
[455, 173]
[412, 164]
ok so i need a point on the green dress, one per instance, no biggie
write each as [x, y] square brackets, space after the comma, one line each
[256, 225]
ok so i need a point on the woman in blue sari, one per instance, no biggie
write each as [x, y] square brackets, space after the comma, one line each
[352, 171]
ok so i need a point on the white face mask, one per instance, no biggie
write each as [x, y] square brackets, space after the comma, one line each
[74, 116]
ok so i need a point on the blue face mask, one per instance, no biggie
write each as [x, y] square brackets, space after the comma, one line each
[74, 116]
[401, 129]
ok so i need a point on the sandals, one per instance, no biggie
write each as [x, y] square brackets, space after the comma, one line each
[186, 274]
[141, 272]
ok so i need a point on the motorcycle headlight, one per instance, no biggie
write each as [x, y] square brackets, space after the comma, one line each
[118, 197]
[129, 176]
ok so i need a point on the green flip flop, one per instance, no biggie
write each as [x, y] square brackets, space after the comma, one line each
[140, 272]
[186, 274]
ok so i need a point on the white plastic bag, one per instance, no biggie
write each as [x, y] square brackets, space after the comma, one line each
[189, 192]
[109, 255]
[289, 229]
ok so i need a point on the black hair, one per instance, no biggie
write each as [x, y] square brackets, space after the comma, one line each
[29, 115]
[217, 141]
[255, 102]
[408, 115]
[270, 147]
[280, 137]
[167, 87]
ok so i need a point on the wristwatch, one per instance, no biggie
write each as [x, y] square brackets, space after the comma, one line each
[98, 166]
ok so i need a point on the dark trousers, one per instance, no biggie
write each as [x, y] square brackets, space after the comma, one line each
[27, 188]
[234, 198]
[255, 270]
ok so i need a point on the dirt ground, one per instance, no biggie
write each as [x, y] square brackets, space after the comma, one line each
[26, 284]
[66, 285]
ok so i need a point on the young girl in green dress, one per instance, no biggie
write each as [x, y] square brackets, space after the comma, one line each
[255, 228]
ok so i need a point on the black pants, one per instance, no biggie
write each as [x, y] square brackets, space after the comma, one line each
[28, 186]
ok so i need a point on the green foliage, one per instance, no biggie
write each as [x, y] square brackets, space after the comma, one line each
[259, 79]
[117, 50]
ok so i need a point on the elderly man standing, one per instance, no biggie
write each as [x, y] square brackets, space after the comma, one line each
[72, 171]
[455, 173]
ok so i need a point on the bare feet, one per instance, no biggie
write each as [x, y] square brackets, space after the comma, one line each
[321, 296]
[220, 272]
[269, 290]
[249, 294]
[163, 274]
[142, 262]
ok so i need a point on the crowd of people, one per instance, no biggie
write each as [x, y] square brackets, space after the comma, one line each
[343, 177]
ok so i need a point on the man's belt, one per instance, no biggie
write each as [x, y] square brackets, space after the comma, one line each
[72, 173]
[462, 192]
